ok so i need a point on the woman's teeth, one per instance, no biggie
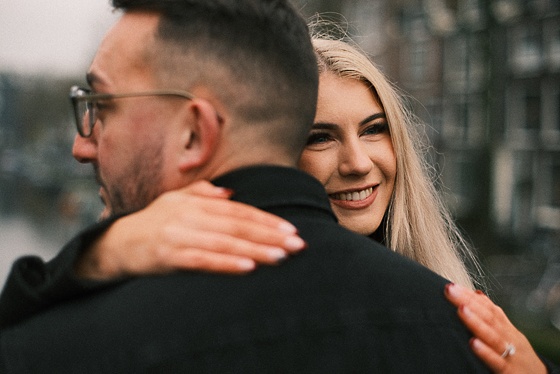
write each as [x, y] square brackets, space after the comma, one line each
[353, 196]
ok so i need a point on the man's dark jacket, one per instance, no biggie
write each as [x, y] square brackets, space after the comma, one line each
[344, 305]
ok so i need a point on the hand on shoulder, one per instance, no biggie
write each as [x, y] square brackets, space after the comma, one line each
[497, 342]
[193, 228]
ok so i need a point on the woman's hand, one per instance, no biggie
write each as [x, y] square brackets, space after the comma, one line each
[494, 333]
[194, 228]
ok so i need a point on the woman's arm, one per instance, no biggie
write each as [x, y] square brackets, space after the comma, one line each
[194, 228]
[494, 335]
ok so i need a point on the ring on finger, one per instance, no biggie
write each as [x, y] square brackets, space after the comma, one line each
[509, 351]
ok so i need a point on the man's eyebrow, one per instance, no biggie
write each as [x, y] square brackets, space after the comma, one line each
[324, 126]
[92, 78]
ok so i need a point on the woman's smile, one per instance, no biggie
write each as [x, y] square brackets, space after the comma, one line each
[354, 199]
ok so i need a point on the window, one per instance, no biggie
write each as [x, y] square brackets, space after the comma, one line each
[418, 57]
[525, 51]
[548, 196]
[456, 61]
[456, 114]
[522, 204]
[470, 12]
[524, 110]
[532, 111]
[464, 121]
[463, 180]
[557, 121]
[555, 182]
[552, 43]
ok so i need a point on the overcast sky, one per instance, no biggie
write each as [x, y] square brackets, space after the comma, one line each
[51, 36]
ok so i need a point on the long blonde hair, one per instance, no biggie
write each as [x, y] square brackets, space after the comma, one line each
[417, 223]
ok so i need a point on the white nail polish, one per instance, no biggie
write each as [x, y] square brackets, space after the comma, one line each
[294, 243]
[276, 254]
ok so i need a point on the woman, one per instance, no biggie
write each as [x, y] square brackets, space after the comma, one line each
[354, 140]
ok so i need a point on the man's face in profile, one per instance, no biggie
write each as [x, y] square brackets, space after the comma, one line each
[128, 142]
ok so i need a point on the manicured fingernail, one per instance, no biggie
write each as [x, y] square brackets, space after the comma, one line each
[450, 288]
[454, 290]
[226, 191]
[245, 264]
[276, 254]
[287, 227]
[294, 243]
[475, 344]
[466, 311]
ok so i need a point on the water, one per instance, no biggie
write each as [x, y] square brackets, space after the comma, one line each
[38, 219]
[20, 236]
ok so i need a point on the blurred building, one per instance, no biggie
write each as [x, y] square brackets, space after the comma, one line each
[38, 176]
[488, 73]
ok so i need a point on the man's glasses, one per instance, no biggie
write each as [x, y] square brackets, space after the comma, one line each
[86, 104]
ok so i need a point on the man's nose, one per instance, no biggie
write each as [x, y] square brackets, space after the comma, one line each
[84, 149]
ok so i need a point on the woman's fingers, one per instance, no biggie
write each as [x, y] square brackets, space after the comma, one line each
[492, 334]
[269, 249]
[202, 260]
[494, 361]
[208, 202]
[251, 229]
[497, 342]
[193, 228]
[222, 226]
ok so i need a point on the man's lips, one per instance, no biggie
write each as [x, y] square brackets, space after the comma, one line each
[106, 212]
[102, 196]
[356, 199]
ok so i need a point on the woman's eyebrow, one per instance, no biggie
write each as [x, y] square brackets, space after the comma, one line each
[372, 118]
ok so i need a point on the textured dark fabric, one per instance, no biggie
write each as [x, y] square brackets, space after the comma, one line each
[551, 367]
[344, 305]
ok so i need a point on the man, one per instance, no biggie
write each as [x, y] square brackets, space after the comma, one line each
[225, 90]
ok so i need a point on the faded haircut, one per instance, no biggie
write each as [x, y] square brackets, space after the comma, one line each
[255, 54]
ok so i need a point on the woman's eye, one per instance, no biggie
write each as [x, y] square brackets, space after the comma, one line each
[376, 129]
[318, 138]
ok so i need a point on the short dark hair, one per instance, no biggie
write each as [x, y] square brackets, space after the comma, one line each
[263, 46]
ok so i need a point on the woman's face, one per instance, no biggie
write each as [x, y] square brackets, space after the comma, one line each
[349, 151]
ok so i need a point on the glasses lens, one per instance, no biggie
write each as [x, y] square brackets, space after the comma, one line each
[85, 117]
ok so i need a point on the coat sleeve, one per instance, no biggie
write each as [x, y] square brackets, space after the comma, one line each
[551, 367]
[33, 284]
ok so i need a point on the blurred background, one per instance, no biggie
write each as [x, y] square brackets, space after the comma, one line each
[484, 75]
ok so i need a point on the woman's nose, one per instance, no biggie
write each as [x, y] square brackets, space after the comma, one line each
[355, 159]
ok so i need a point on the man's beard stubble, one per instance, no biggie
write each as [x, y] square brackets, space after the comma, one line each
[135, 190]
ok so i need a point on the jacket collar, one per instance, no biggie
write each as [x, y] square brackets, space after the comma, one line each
[267, 187]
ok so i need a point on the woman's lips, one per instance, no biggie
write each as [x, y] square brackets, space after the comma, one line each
[357, 199]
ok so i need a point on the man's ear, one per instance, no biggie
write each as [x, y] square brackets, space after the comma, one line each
[201, 138]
